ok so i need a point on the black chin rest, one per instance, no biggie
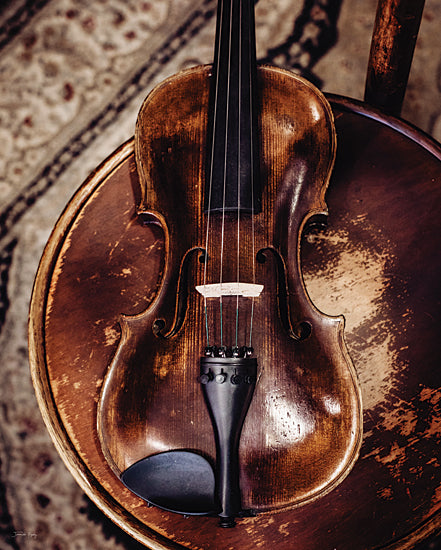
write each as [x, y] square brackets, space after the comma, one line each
[177, 481]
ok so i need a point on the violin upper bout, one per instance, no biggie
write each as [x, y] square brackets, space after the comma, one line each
[169, 143]
[298, 141]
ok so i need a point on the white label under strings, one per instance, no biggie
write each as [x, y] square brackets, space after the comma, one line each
[216, 290]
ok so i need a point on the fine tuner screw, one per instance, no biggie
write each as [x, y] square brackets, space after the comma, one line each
[222, 377]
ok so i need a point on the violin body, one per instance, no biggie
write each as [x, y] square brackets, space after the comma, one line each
[307, 389]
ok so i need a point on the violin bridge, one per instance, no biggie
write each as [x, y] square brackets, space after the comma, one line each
[216, 290]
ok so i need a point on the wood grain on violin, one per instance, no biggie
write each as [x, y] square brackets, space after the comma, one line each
[232, 211]
[307, 390]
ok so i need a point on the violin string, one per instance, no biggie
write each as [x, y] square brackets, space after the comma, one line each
[211, 171]
[252, 130]
[227, 114]
[238, 167]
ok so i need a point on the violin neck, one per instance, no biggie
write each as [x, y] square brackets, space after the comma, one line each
[232, 138]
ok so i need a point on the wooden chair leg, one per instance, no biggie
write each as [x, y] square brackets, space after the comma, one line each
[395, 32]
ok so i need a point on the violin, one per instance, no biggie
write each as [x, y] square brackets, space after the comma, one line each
[218, 394]
[234, 163]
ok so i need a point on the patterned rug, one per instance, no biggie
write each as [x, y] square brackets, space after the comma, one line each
[73, 76]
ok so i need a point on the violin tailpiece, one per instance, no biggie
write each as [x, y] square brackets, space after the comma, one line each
[185, 482]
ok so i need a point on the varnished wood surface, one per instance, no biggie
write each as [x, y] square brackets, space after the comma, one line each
[303, 430]
[397, 23]
[377, 263]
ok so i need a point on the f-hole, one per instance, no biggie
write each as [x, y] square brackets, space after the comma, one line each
[301, 330]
